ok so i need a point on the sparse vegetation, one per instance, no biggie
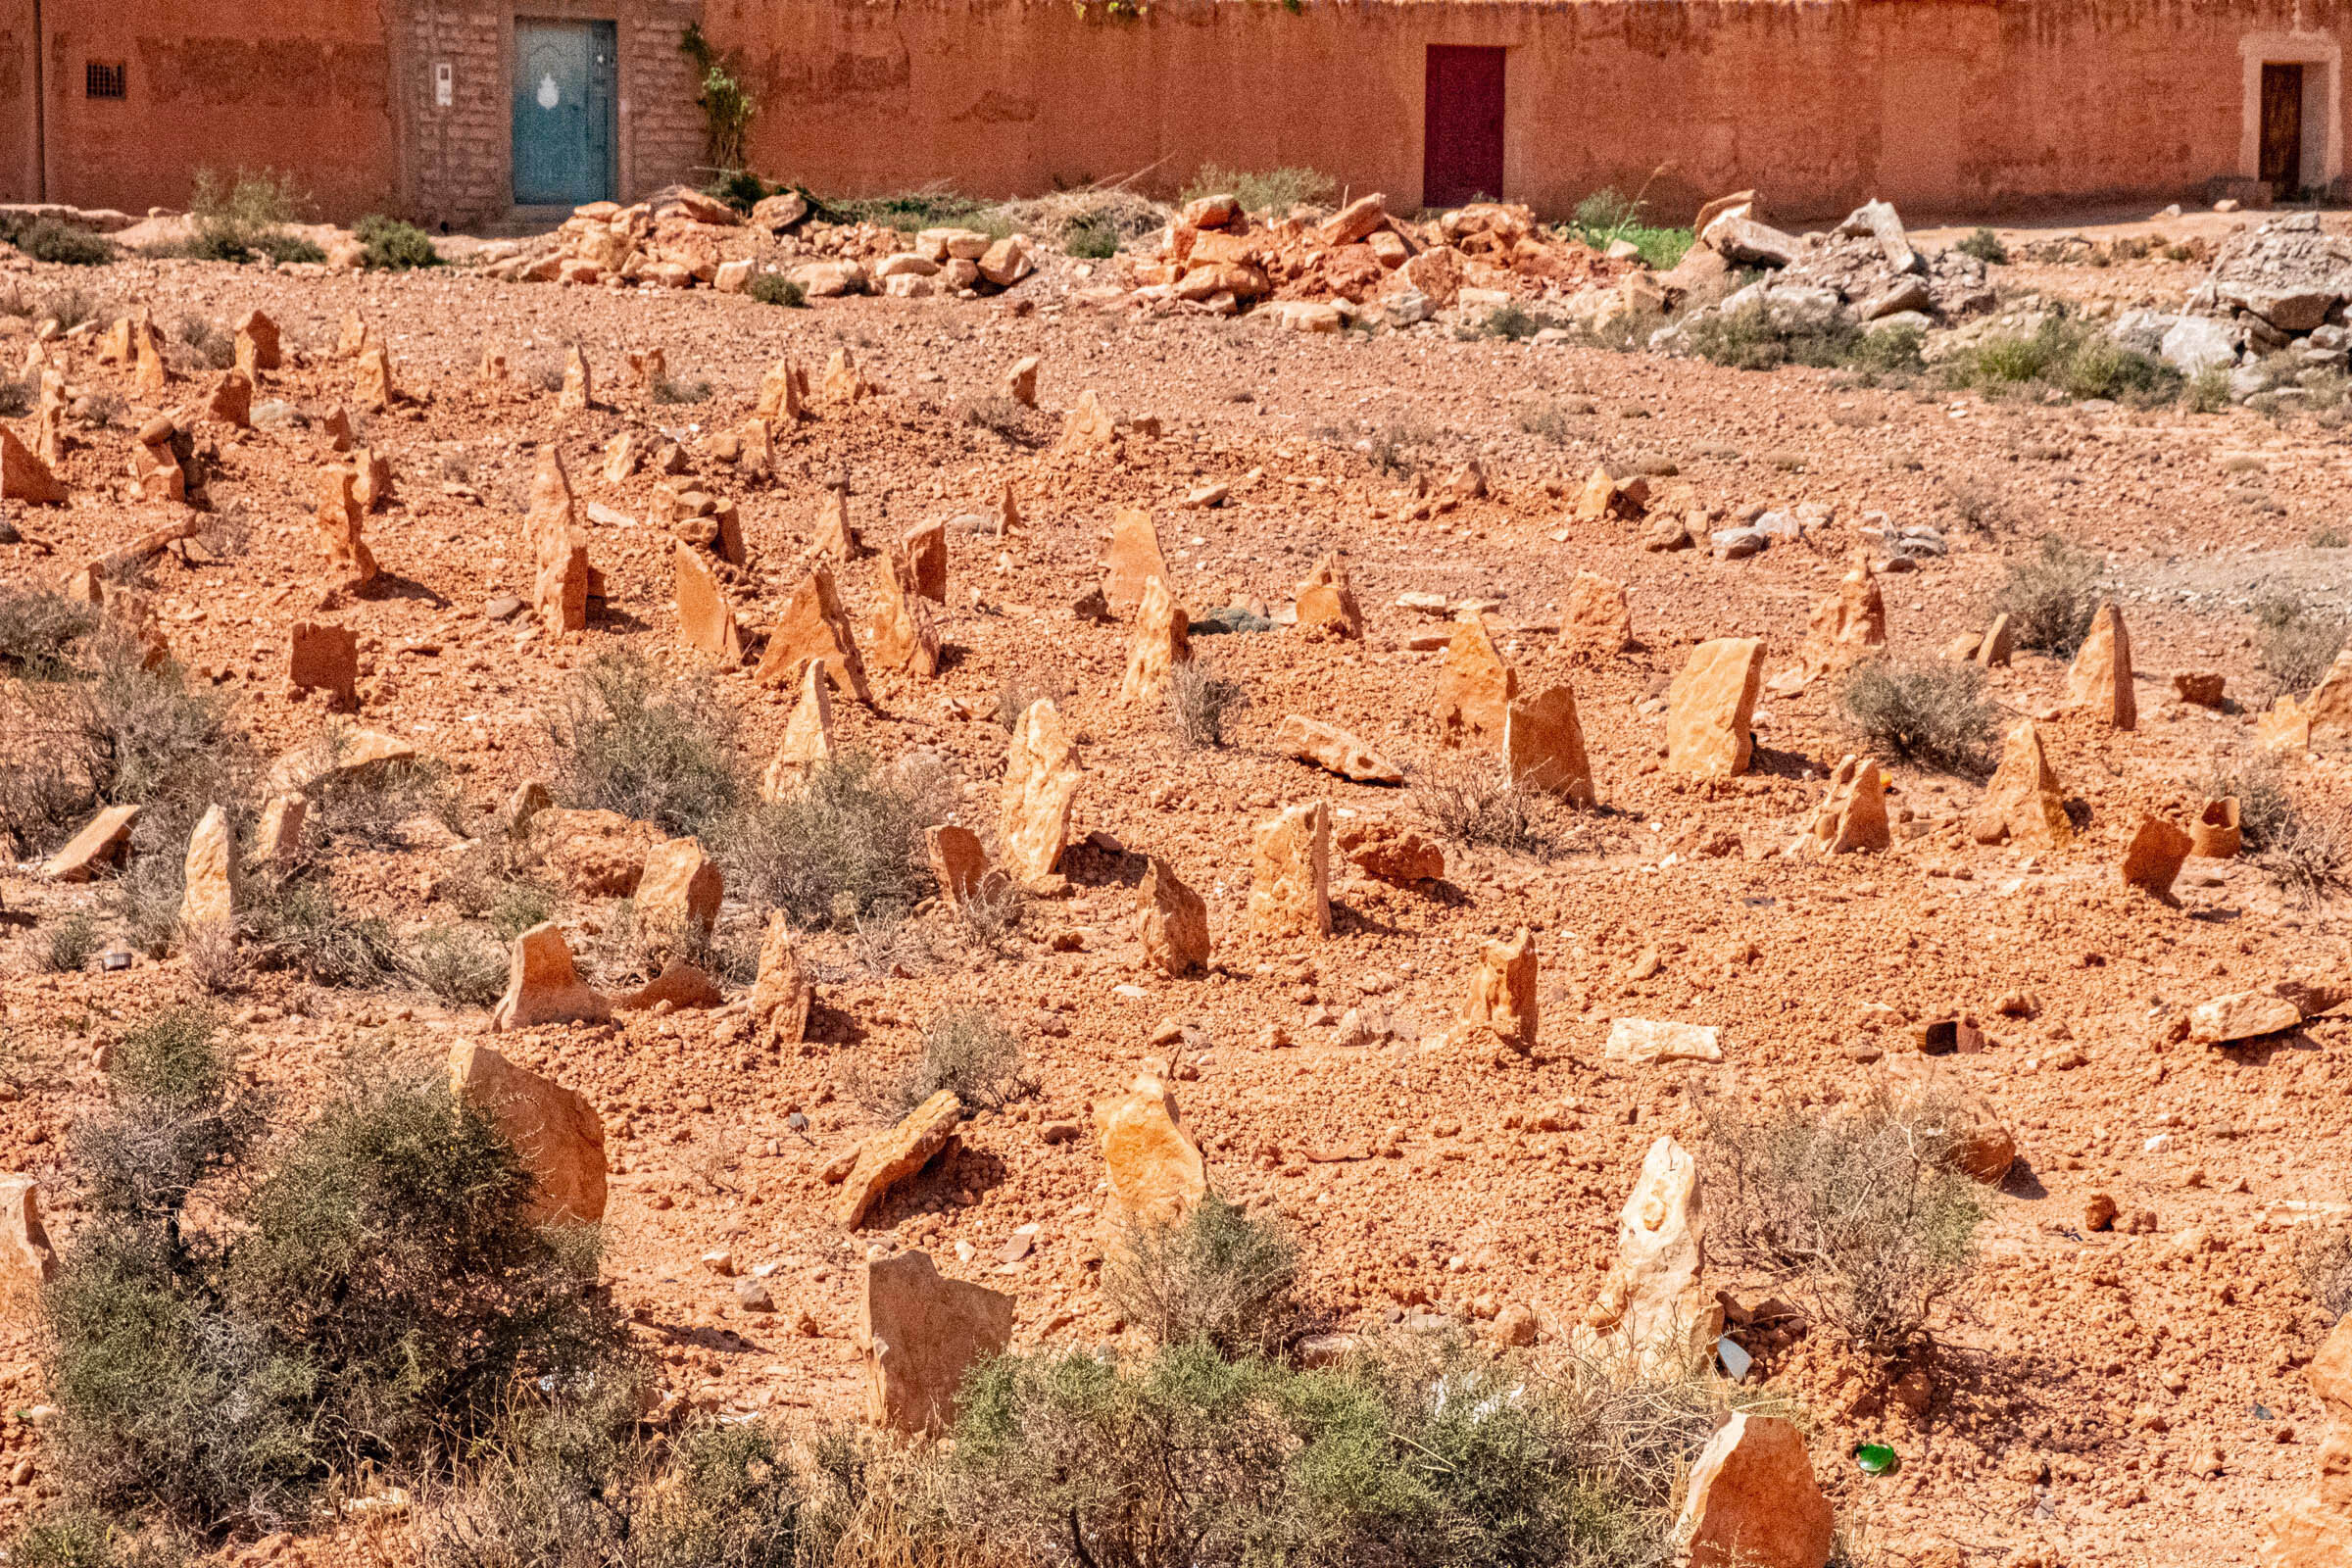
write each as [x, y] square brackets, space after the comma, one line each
[1094, 239]
[380, 806]
[847, 846]
[2323, 1264]
[970, 1051]
[727, 105]
[684, 389]
[72, 943]
[1201, 702]
[1606, 216]
[665, 758]
[1933, 714]
[293, 920]
[911, 210]
[2066, 354]
[1986, 246]
[1272, 190]
[241, 217]
[1470, 802]
[2207, 391]
[207, 342]
[2325, 537]
[462, 964]
[1002, 416]
[1866, 1214]
[1752, 338]
[2295, 640]
[394, 246]
[774, 288]
[39, 630]
[2051, 597]
[45, 239]
[1219, 1277]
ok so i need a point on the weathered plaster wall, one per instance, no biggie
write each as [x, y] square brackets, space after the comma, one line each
[1938, 105]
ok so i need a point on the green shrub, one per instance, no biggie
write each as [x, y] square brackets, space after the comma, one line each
[72, 943]
[38, 629]
[620, 746]
[968, 1050]
[1607, 215]
[2073, 356]
[1986, 246]
[1272, 190]
[1513, 322]
[1933, 714]
[1888, 351]
[1866, 1216]
[774, 288]
[1749, 339]
[394, 246]
[463, 965]
[739, 188]
[2051, 597]
[1093, 240]
[290, 920]
[2207, 391]
[45, 239]
[239, 217]
[910, 211]
[377, 808]
[2295, 642]
[846, 846]
[1418, 1454]
[1219, 1277]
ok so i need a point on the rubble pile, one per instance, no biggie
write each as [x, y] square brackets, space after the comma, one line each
[1216, 256]
[682, 238]
[1863, 273]
[2281, 286]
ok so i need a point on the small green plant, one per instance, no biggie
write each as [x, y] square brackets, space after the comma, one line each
[1513, 322]
[1933, 714]
[1201, 702]
[1868, 1216]
[1750, 338]
[1092, 239]
[739, 188]
[462, 964]
[394, 246]
[774, 288]
[623, 746]
[970, 1051]
[845, 847]
[72, 943]
[1607, 215]
[2069, 354]
[2051, 597]
[45, 239]
[1218, 1277]
[910, 211]
[244, 215]
[1272, 190]
[1888, 351]
[1986, 246]
[728, 106]
[2207, 391]
[2295, 642]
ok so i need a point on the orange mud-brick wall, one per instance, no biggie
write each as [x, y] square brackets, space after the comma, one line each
[1944, 106]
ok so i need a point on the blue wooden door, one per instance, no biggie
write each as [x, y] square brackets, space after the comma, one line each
[565, 73]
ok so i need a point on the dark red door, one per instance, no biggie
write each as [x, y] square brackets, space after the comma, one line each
[2283, 129]
[1461, 136]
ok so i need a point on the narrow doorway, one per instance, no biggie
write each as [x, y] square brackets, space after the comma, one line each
[565, 79]
[1461, 137]
[2281, 166]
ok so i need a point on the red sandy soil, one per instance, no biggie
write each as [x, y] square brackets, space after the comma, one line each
[2096, 1405]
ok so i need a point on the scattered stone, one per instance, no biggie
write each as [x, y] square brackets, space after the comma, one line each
[1596, 624]
[1088, 427]
[2023, 802]
[256, 344]
[678, 895]
[1845, 626]
[2101, 677]
[1335, 750]
[1982, 1144]
[889, 1156]
[783, 392]
[1326, 605]
[324, 656]
[2243, 1015]
[707, 620]
[543, 987]
[807, 733]
[1608, 499]
[1159, 644]
[2329, 707]
[230, 402]
[1648, 1040]
[1852, 815]
[1041, 780]
[1475, 688]
[555, 1130]
[782, 995]
[102, 841]
[919, 1333]
[209, 902]
[26, 1259]
[1752, 1502]
[372, 385]
[560, 582]
[837, 537]
[844, 384]
[1386, 853]
[1171, 920]
[1503, 996]
[1544, 746]
[338, 517]
[1998, 644]
[1133, 560]
[1020, 380]
[923, 553]
[1289, 888]
[2216, 834]
[2286, 727]
[2200, 688]
[1654, 1316]
[1153, 1166]
[905, 636]
[595, 854]
[2154, 857]
[680, 983]
[2315, 1531]
[813, 627]
[1711, 706]
[960, 865]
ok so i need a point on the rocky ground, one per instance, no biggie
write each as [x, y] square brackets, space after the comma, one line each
[2103, 1397]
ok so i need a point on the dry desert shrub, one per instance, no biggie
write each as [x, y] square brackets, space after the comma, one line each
[1467, 801]
[1218, 1277]
[1933, 714]
[1866, 1214]
[72, 943]
[965, 1049]
[2295, 640]
[1201, 702]
[2324, 1263]
[847, 846]
[2051, 597]
[661, 757]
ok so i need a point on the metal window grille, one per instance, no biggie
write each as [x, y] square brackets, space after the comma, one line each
[108, 81]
